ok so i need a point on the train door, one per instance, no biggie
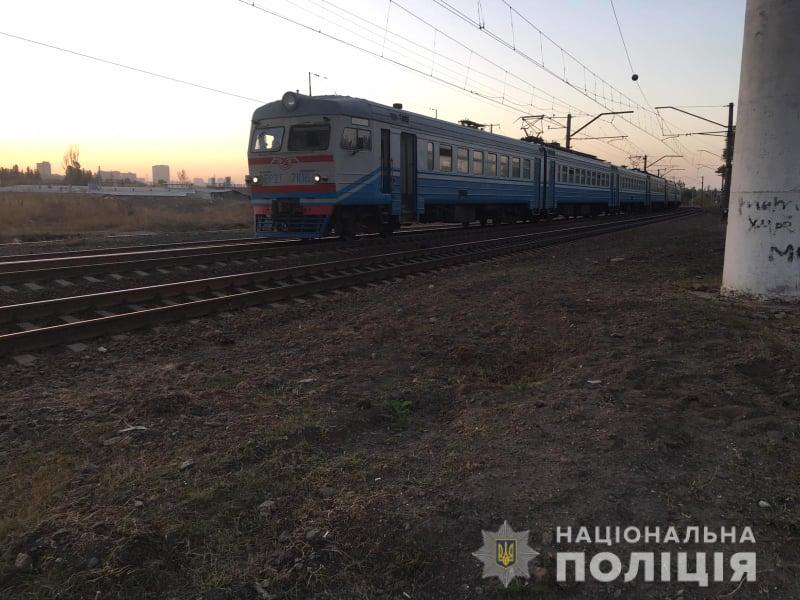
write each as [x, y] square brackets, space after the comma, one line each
[615, 189]
[612, 190]
[408, 176]
[537, 185]
[550, 201]
[386, 161]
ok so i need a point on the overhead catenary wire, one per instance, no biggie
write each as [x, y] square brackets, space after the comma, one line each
[484, 93]
[664, 125]
[419, 71]
[131, 68]
[622, 37]
[438, 32]
[630, 103]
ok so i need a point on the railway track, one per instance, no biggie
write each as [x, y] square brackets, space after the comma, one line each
[39, 257]
[30, 273]
[70, 319]
[64, 268]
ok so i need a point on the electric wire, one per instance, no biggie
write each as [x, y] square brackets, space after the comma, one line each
[130, 68]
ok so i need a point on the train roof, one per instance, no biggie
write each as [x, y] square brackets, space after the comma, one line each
[316, 105]
[308, 106]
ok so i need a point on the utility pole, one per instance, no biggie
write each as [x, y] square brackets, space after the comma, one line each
[571, 134]
[761, 243]
[569, 129]
[729, 133]
[726, 181]
[702, 192]
[309, 80]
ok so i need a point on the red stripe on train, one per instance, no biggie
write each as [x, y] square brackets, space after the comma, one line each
[314, 187]
[307, 210]
[289, 160]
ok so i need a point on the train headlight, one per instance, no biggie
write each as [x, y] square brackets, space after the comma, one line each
[290, 101]
[254, 179]
[317, 178]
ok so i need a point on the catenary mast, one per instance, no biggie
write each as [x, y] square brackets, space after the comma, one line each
[762, 253]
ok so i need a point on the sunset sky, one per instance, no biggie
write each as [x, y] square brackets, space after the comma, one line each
[686, 52]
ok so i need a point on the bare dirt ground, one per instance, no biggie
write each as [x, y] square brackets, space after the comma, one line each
[354, 446]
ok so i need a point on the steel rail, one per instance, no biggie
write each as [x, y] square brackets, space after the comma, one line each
[188, 245]
[70, 304]
[378, 267]
[50, 269]
[24, 271]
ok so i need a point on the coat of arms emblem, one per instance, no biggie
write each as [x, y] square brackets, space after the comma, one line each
[505, 554]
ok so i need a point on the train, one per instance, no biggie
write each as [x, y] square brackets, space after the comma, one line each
[322, 165]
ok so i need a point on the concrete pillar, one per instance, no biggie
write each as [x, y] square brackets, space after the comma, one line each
[762, 251]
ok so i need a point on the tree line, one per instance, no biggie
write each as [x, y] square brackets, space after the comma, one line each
[73, 173]
[16, 176]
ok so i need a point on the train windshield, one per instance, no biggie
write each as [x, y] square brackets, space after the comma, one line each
[309, 137]
[267, 139]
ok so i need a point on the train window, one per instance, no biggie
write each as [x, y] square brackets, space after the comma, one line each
[429, 151]
[477, 162]
[462, 160]
[583, 176]
[537, 168]
[356, 139]
[364, 141]
[445, 158]
[526, 168]
[571, 176]
[564, 174]
[594, 178]
[491, 164]
[515, 167]
[309, 137]
[267, 139]
[349, 136]
[503, 165]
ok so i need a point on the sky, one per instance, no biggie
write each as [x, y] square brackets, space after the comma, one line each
[427, 54]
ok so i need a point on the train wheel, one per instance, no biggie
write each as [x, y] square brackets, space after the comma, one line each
[484, 220]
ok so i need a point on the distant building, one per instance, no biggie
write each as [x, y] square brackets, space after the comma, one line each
[219, 183]
[116, 176]
[44, 170]
[160, 173]
[198, 182]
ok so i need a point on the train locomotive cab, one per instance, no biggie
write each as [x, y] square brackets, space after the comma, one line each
[312, 169]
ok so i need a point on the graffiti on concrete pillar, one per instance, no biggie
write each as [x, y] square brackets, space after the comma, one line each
[788, 253]
[775, 216]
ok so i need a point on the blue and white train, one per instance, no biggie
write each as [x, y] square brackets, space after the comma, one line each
[327, 164]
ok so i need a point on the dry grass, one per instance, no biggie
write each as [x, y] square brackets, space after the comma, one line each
[53, 214]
